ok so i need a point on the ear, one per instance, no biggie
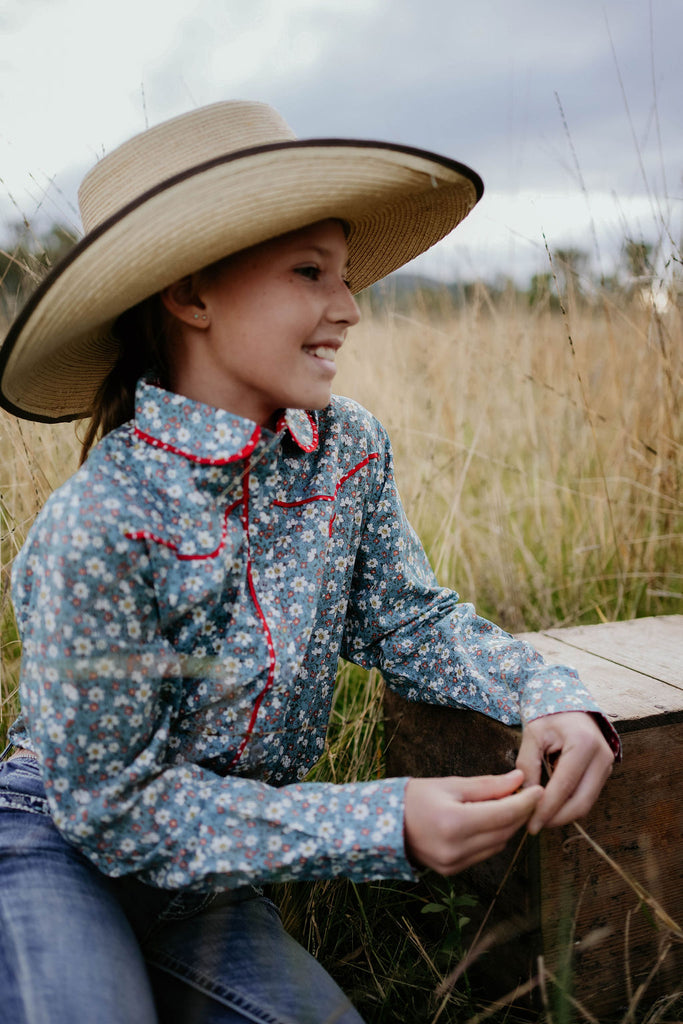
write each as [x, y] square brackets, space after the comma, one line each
[182, 301]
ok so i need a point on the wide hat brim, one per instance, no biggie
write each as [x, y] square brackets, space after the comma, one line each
[397, 201]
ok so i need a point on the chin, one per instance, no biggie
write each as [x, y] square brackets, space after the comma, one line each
[317, 406]
[315, 401]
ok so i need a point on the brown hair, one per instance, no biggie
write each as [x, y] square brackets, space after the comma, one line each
[141, 334]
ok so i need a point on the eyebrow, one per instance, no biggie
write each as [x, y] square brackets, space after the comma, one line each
[321, 250]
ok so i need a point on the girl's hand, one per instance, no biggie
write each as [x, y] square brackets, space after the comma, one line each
[454, 822]
[578, 774]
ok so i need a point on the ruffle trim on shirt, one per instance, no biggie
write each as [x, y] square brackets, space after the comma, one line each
[178, 546]
[202, 460]
[302, 428]
[206, 435]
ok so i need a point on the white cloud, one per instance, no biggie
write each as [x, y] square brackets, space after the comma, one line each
[507, 234]
[475, 81]
[80, 76]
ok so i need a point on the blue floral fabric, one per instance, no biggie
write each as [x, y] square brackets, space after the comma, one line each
[183, 600]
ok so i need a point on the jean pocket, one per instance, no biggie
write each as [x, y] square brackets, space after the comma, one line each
[21, 787]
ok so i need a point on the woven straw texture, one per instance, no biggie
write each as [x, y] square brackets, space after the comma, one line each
[188, 193]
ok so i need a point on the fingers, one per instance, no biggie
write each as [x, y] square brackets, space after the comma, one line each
[485, 787]
[455, 822]
[579, 773]
[530, 757]
[479, 830]
[572, 790]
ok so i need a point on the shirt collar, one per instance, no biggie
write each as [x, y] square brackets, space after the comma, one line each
[207, 435]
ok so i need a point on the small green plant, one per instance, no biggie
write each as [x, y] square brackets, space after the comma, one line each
[499, 471]
[452, 906]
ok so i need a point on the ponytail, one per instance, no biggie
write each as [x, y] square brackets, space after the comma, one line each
[140, 335]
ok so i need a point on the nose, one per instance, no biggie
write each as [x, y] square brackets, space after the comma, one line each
[343, 308]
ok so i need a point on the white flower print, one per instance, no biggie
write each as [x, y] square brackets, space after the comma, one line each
[171, 626]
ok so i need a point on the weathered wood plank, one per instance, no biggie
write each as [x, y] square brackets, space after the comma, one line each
[653, 646]
[635, 670]
[625, 695]
[638, 822]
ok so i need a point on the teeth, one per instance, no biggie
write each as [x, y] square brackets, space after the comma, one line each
[323, 352]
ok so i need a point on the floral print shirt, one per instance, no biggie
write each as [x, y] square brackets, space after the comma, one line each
[183, 600]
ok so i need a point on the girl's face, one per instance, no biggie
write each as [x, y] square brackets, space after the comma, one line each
[260, 332]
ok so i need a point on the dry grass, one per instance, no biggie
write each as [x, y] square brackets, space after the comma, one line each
[543, 474]
[539, 457]
[35, 458]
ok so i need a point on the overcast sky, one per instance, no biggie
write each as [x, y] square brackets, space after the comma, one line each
[570, 112]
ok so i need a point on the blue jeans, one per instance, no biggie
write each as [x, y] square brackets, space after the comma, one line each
[77, 946]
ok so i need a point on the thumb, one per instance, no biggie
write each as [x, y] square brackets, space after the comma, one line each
[529, 759]
[488, 787]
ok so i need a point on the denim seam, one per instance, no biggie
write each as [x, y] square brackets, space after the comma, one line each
[228, 997]
[24, 802]
[177, 909]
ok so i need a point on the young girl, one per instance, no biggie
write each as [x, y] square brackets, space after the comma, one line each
[184, 598]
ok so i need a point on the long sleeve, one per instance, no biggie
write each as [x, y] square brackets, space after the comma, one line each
[101, 694]
[429, 646]
[182, 601]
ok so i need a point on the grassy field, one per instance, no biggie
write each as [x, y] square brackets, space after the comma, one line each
[538, 454]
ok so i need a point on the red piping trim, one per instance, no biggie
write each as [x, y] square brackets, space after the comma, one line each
[282, 424]
[201, 460]
[148, 535]
[266, 629]
[314, 443]
[329, 497]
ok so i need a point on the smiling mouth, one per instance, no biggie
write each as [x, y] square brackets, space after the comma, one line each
[324, 352]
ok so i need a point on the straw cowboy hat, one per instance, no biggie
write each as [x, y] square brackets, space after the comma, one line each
[193, 190]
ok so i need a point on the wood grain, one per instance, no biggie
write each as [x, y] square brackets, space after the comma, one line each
[563, 897]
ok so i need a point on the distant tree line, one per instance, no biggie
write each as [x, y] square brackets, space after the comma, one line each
[572, 275]
[26, 257]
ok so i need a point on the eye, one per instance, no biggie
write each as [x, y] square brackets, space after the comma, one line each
[310, 271]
